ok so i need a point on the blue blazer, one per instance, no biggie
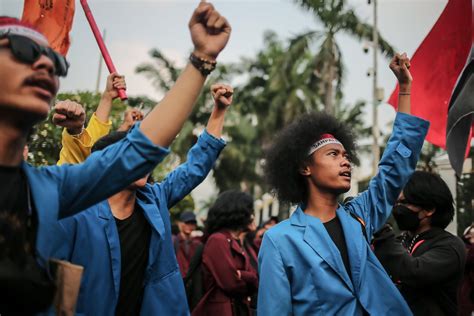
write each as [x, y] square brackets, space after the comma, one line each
[61, 191]
[92, 241]
[301, 269]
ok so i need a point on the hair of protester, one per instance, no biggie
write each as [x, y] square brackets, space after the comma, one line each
[107, 140]
[289, 153]
[232, 210]
[428, 191]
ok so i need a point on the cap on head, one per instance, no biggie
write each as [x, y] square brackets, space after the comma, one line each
[187, 217]
[13, 26]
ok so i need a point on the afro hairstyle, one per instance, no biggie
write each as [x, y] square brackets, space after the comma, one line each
[232, 210]
[289, 153]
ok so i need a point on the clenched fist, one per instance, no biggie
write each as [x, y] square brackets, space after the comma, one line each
[70, 115]
[222, 95]
[400, 65]
[210, 31]
[130, 117]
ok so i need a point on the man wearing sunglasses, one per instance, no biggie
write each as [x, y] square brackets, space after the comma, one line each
[33, 199]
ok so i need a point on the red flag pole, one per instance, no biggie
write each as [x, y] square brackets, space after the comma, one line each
[100, 42]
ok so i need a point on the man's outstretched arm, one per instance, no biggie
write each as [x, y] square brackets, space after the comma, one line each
[202, 156]
[210, 33]
[399, 159]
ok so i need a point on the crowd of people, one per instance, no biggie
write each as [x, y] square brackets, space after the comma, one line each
[93, 234]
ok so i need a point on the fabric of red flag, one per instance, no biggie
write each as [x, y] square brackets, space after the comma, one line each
[436, 66]
[53, 18]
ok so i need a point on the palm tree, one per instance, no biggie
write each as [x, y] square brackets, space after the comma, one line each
[336, 17]
[276, 91]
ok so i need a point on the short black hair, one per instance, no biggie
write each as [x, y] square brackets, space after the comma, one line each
[429, 191]
[289, 152]
[232, 210]
[107, 140]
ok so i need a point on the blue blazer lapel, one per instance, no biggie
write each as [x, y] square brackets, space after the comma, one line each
[355, 242]
[317, 237]
[110, 229]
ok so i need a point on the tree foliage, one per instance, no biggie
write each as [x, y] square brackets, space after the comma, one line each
[335, 17]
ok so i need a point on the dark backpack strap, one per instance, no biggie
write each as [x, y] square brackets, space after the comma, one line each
[195, 262]
[362, 225]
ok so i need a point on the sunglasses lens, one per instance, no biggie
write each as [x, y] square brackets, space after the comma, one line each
[28, 51]
[62, 65]
[60, 62]
[24, 49]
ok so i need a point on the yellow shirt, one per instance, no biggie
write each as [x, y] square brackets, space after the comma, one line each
[76, 148]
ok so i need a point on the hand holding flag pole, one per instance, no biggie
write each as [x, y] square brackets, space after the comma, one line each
[100, 42]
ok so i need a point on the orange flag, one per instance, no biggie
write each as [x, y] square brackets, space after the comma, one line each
[53, 18]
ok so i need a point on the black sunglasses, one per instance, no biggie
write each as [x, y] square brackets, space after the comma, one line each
[28, 51]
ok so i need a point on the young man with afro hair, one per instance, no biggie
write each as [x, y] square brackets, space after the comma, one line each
[319, 262]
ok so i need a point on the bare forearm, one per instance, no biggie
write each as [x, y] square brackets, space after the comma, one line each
[215, 124]
[167, 118]
[404, 103]
[104, 108]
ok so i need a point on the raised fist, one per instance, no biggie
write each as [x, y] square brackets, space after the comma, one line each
[210, 31]
[70, 115]
[131, 116]
[222, 95]
[400, 65]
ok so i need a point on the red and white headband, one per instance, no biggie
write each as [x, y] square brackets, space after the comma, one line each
[13, 26]
[324, 140]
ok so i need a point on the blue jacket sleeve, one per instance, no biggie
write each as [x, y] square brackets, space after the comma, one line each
[398, 163]
[274, 292]
[201, 158]
[105, 172]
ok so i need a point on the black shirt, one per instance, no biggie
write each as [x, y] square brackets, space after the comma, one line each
[25, 288]
[428, 270]
[134, 233]
[334, 230]
[18, 229]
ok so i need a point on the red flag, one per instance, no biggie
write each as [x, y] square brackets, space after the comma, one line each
[53, 18]
[436, 66]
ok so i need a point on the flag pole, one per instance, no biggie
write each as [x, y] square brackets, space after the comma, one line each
[100, 42]
[99, 70]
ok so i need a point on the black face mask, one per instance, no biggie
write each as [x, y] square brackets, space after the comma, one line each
[406, 218]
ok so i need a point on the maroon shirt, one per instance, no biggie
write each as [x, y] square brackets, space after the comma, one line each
[185, 250]
[222, 257]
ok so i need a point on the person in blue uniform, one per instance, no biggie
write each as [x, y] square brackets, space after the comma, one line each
[318, 262]
[124, 243]
[32, 200]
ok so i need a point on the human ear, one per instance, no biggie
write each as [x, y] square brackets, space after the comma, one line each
[304, 170]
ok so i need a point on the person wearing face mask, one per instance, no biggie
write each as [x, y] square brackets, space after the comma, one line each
[425, 261]
[319, 261]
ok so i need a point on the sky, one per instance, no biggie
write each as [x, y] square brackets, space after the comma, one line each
[134, 27]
